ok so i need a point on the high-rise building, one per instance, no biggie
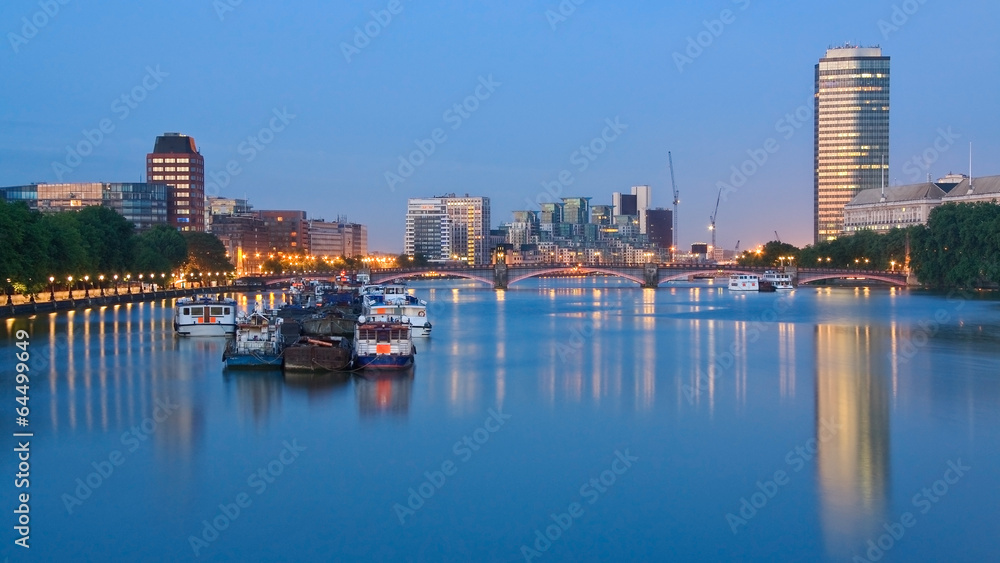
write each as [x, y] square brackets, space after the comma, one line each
[428, 229]
[624, 204]
[851, 144]
[660, 224]
[643, 202]
[145, 205]
[551, 214]
[470, 228]
[175, 161]
[576, 210]
[449, 227]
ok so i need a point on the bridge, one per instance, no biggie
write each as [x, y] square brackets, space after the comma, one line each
[501, 275]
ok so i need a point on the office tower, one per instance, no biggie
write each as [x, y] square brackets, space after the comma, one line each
[175, 161]
[428, 229]
[449, 227]
[625, 204]
[660, 224]
[851, 144]
[470, 227]
[576, 210]
[552, 214]
[643, 201]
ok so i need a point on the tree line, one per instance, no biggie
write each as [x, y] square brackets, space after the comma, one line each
[959, 247]
[95, 241]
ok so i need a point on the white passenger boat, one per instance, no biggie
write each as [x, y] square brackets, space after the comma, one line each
[391, 303]
[205, 315]
[744, 282]
[780, 281]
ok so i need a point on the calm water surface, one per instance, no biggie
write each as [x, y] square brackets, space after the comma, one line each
[681, 424]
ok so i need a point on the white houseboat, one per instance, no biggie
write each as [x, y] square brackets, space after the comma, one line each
[744, 282]
[205, 316]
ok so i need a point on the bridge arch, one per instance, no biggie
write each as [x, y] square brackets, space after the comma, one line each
[668, 275]
[388, 277]
[583, 270]
[889, 279]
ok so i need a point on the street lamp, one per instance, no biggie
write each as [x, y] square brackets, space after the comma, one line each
[116, 283]
[69, 284]
[128, 282]
[892, 265]
[52, 288]
[101, 284]
[140, 283]
[86, 287]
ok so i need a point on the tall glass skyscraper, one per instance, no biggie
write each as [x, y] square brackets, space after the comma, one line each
[852, 131]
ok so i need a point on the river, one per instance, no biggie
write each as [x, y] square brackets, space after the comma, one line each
[562, 420]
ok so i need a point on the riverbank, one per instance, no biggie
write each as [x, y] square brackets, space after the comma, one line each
[63, 302]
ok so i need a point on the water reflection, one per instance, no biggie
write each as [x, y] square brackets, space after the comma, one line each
[257, 392]
[852, 397]
[384, 394]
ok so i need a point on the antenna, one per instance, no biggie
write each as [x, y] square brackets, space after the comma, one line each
[677, 200]
[971, 187]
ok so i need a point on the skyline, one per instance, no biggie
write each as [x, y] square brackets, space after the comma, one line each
[329, 130]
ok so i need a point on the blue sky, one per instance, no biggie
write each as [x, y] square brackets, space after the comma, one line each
[220, 75]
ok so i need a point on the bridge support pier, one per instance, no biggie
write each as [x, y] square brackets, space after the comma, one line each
[500, 277]
[794, 272]
[650, 276]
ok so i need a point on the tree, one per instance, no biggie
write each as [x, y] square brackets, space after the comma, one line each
[160, 249]
[108, 237]
[205, 253]
[273, 265]
[959, 247]
[769, 255]
[63, 252]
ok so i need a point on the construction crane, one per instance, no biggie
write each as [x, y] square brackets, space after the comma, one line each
[677, 200]
[712, 219]
[777, 237]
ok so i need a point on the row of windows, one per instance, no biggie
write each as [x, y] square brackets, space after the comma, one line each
[171, 169]
[172, 160]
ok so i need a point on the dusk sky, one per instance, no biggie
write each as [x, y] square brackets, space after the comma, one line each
[222, 73]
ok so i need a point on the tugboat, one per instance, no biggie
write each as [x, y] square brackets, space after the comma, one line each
[205, 315]
[383, 345]
[258, 342]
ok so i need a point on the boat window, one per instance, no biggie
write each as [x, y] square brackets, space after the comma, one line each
[225, 310]
[382, 336]
[186, 311]
[216, 311]
[197, 311]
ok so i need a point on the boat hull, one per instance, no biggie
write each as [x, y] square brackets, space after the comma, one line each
[253, 361]
[205, 329]
[384, 362]
[317, 358]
